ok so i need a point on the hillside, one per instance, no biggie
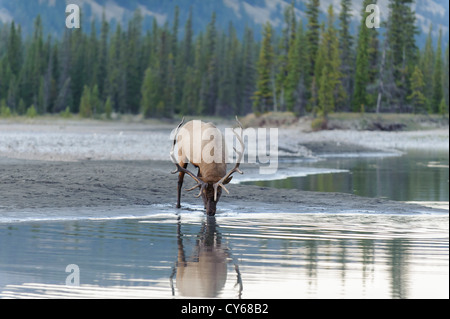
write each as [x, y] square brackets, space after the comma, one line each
[241, 13]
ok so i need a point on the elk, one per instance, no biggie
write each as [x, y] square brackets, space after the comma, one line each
[212, 176]
[204, 272]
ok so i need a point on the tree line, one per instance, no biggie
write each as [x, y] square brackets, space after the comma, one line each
[308, 67]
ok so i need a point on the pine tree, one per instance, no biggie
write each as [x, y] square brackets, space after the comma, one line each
[446, 78]
[34, 65]
[263, 97]
[443, 107]
[200, 76]
[417, 98]
[170, 86]
[62, 75]
[402, 50]
[108, 108]
[49, 84]
[190, 92]
[147, 93]
[95, 102]
[5, 76]
[437, 93]
[360, 95]
[347, 53]
[312, 35]
[102, 58]
[14, 49]
[85, 103]
[325, 94]
[210, 92]
[246, 80]
[227, 90]
[427, 67]
[13, 95]
[187, 51]
[282, 56]
[179, 63]
[77, 75]
[91, 65]
[295, 81]
[114, 83]
[328, 65]
[133, 72]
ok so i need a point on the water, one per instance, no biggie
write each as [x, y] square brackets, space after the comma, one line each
[259, 252]
[416, 176]
[165, 253]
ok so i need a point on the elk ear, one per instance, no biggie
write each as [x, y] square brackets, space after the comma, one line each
[228, 180]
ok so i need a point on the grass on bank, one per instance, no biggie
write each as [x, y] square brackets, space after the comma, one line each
[336, 121]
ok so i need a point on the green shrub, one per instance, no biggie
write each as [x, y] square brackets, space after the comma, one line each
[31, 112]
[319, 123]
[5, 111]
[66, 113]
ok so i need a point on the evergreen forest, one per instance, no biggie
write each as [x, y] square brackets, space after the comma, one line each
[310, 67]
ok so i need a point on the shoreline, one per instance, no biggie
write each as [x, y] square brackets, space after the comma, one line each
[41, 186]
[54, 167]
[73, 140]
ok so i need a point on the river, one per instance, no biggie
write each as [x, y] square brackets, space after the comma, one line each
[157, 251]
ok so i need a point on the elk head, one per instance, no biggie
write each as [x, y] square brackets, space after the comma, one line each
[212, 175]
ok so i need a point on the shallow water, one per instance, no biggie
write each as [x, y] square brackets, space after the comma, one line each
[415, 176]
[162, 252]
[245, 252]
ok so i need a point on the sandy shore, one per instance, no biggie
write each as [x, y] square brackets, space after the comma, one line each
[92, 164]
[26, 185]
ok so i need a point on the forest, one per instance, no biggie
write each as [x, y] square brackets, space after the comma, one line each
[310, 67]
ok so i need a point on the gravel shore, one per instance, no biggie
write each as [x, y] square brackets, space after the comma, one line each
[102, 164]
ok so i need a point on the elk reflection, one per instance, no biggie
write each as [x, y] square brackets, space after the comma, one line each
[204, 273]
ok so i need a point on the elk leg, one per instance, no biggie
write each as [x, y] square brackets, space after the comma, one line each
[200, 175]
[180, 184]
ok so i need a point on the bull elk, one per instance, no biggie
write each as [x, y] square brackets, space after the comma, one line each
[204, 272]
[212, 176]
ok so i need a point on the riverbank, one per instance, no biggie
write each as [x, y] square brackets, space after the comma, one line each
[110, 164]
[73, 140]
[38, 185]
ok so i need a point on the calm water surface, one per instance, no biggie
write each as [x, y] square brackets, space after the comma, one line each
[416, 176]
[161, 252]
[235, 255]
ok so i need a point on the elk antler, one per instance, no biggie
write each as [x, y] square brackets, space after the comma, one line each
[236, 167]
[200, 183]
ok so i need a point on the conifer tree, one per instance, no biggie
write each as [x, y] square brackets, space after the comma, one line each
[14, 49]
[362, 64]
[210, 92]
[147, 93]
[133, 73]
[402, 50]
[246, 80]
[295, 81]
[34, 65]
[5, 75]
[346, 50]
[108, 108]
[102, 57]
[328, 65]
[417, 98]
[437, 93]
[218, 71]
[312, 34]
[263, 97]
[282, 56]
[427, 67]
[445, 79]
[85, 103]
